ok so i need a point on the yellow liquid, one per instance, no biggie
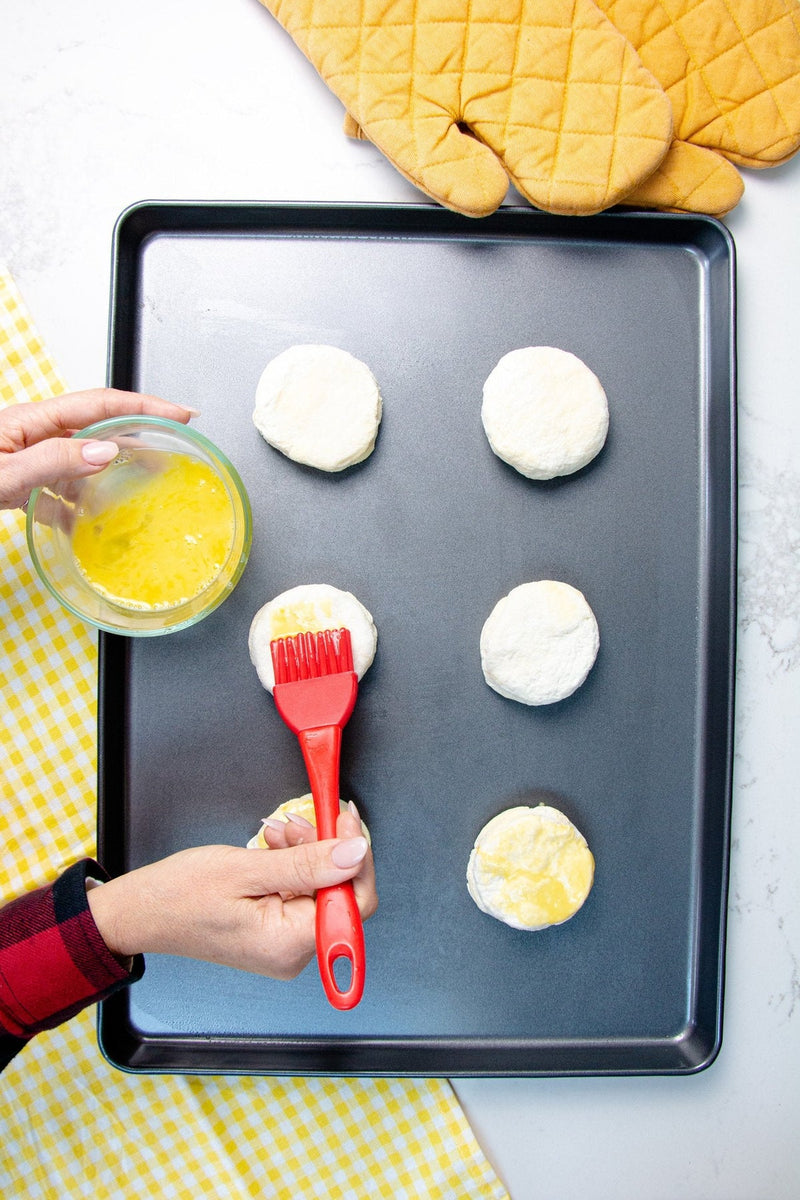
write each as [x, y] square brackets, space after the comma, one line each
[304, 617]
[162, 539]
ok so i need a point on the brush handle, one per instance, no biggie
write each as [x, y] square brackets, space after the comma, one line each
[339, 931]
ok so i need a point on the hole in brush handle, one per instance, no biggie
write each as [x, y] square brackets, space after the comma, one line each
[340, 935]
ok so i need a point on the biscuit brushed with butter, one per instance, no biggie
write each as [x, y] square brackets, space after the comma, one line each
[310, 608]
[544, 412]
[530, 868]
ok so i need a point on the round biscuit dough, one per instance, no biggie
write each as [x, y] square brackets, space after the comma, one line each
[530, 868]
[318, 405]
[539, 642]
[311, 607]
[544, 412]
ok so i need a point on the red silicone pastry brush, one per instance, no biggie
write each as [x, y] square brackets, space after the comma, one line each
[315, 692]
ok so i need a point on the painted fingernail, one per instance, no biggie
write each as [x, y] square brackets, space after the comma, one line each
[99, 453]
[298, 820]
[349, 852]
[273, 822]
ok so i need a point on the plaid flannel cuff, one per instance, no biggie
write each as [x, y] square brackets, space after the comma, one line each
[53, 961]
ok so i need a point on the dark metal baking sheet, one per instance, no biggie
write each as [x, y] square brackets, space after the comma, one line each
[429, 532]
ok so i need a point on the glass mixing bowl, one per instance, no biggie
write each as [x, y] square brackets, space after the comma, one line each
[118, 502]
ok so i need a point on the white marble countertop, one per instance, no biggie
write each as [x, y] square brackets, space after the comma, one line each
[104, 105]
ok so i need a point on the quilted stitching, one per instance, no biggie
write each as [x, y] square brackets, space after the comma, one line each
[557, 103]
[463, 94]
[731, 69]
[691, 179]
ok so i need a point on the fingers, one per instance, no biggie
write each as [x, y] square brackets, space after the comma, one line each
[291, 832]
[56, 459]
[36, 448]
[297, 831]
[302, 869]
[23, 425]
[349, 825]
[247, 909]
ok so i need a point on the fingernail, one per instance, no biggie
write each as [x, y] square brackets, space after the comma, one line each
[98, 453]
[193, 412]
[353, 810]
[273, 822]
[349, 852]
[298, 820]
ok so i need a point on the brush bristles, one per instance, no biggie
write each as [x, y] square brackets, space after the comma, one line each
[311, 655]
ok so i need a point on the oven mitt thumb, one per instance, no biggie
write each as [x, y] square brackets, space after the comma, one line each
[732, 73]
[463, 95]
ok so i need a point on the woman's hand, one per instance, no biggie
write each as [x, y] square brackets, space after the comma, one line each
[35, 445]
[251, 909]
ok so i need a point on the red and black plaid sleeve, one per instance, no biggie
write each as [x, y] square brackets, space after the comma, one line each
[53, 961]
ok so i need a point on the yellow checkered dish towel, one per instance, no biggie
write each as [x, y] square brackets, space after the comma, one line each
[72, 1125]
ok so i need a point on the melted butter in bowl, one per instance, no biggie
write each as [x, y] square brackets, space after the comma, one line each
[157, 533]
[155, 541]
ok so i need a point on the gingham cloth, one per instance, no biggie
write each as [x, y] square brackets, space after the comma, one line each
[72, 1125]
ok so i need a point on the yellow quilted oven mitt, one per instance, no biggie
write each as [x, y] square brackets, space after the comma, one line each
[731, 69]
[462, 95]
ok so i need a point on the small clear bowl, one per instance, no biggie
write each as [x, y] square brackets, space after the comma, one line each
[52, 512]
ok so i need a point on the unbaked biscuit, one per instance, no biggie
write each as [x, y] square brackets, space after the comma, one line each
[530, 868]
[544, 412]
[539, 642]
[318, 405]
[311, 608]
